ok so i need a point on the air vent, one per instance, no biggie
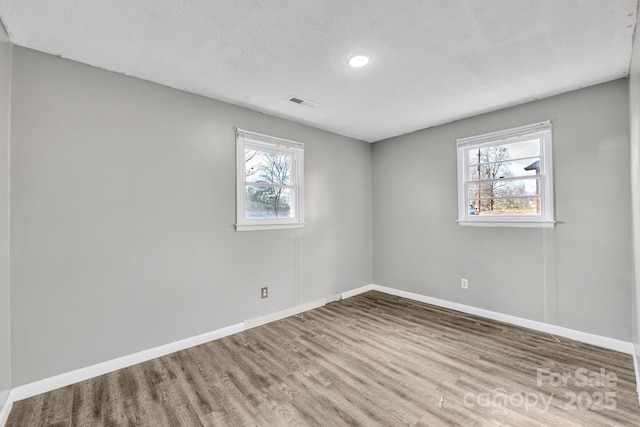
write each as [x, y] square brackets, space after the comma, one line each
[302, 101]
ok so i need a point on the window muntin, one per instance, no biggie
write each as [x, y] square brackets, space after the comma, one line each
[504, 178]
[270, 177]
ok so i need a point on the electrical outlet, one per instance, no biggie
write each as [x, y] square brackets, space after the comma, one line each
[264, 292]
[464, 283]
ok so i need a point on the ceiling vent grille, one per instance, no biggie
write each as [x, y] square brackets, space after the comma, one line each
[302, 101]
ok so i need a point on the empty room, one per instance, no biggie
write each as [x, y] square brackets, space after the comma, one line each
[319, 212]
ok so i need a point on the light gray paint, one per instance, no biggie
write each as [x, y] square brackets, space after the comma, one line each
[123, 204]
[5, 306]
[634, 114]
[584, 262]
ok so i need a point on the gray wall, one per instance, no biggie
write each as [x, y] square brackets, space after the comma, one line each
[5, 309]
[577, 275]
[123, 205]
[634, 110]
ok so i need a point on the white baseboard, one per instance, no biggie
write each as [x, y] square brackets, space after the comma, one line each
[62, 380]
[360, 290]
[597, 340]
[636, 367]
[68, 378]
[7, 404]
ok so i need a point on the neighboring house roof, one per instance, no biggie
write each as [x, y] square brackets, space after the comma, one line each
[533, 166]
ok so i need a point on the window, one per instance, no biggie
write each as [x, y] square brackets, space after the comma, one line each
[505, 178]
[269, 182]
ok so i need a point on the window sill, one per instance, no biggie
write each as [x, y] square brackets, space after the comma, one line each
[507, 223]
[258, 227]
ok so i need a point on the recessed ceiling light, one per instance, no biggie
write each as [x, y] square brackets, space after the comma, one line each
[359, 59]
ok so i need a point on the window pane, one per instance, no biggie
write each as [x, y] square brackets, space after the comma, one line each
[526, 187]
[513, 206]
[504, 169]
[499, 153]
[505, 197]
[269, 202]
[520, 150]
[268, 168]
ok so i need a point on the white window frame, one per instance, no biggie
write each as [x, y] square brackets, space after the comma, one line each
[523, 133]
[255, 141]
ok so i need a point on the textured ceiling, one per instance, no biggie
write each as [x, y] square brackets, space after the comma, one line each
[433, 61]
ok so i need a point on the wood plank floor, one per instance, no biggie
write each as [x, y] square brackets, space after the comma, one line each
[373, 359]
